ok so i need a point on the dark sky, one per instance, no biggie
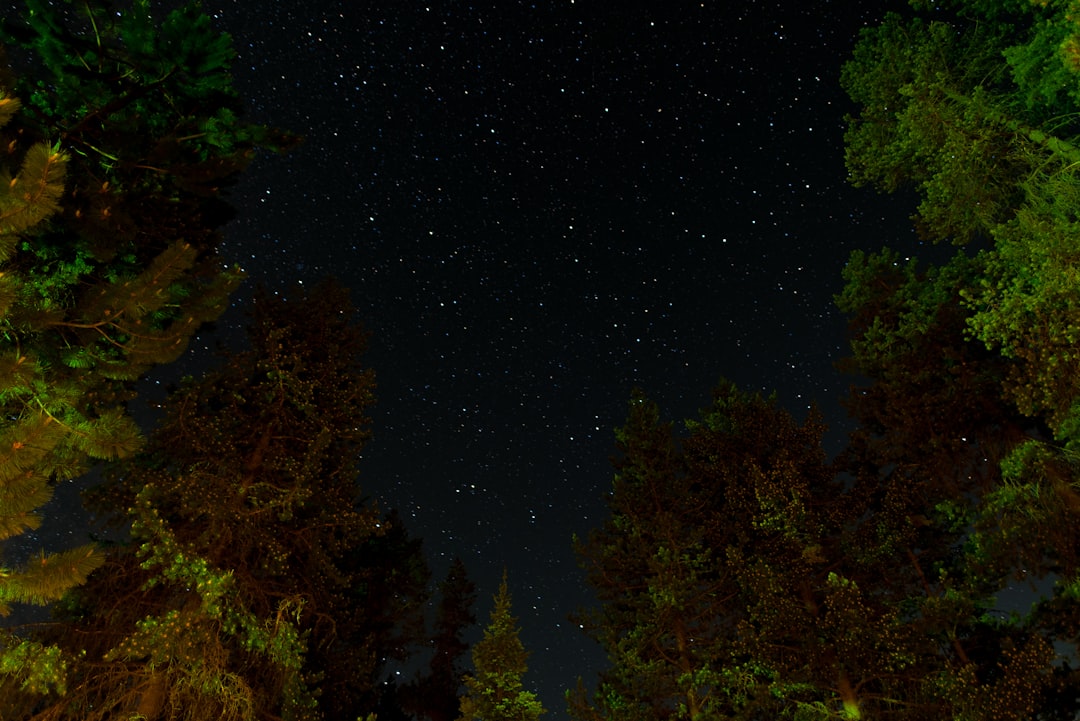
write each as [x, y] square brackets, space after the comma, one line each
[537, 207]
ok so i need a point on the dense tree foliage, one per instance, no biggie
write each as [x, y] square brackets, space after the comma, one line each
[740, 574]
[981, 348]
[997, 81]
[51, 431]
[869, 589]
[494, 691]
[966, 425]
[715, 567]
[257, 581]
[254, 580]
[143, 100]
[108, 217]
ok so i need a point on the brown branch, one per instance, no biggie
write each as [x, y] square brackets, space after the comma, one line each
[918, 569]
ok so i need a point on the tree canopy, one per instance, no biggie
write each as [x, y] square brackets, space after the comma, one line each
[108, 245]
[495, 691]
[740, 572]
[257, 580]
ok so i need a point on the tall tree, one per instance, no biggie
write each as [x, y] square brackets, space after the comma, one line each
[108, 217]
[716, 570]
[494, 691]
[435, 693]
[258, 581]
[663, 590]
[38, 446]
[976, 108]
[971, 406]
[963, 106]
[740, 577]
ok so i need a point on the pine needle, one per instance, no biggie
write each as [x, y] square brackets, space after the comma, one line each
[34, 194]
[46, 578]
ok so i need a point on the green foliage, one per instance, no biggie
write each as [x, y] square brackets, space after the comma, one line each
[124, 87]
[712, 564]
[30, 196]
[47, 577]
[494, 691]
[962, 109]
[109, 208]
[36, 668]
[739, 578]
[964, 463]
[1025, 303]
[916, 130]
[35, 444]
[257, 583]
[993, 156]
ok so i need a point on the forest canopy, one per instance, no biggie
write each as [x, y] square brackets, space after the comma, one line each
[740, 572]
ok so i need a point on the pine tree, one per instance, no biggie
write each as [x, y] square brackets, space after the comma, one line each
[664, 599]
[965, 458]
[494, 692]
[434, 694]
[457, 594]
[258, 581]
[36, 445]
[739, 577]
[110, 201]
[53, 426]
[713, 559]
[144, 100]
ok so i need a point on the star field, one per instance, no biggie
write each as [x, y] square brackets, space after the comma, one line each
[537, 207]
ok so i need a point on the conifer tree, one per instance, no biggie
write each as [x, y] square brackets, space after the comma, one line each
[975, 107]
[434, 694]
[258, 582]
[494, 691]
[46, 436]
[739, 578]
[110, 202]
[969, 422]
[712, 563]
[657, 581]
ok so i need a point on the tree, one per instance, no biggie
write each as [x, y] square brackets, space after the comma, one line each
[740, 577]
[719, 572]
[144, 102]
[967, 425]
[494, 691]
[962, 108]
[978, 112]
[108, 218]
[38, 446]
[257, 580]
[659, 582]
[435, 694]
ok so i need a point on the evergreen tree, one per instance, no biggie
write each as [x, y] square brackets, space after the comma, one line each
[982, 101]
[434, 695]
[713, 568]
[965, 105]
[108, 214]
[740, 578]
[145, 102]
[258, 582]
[969, 424]
[494, 692]
[37, 445]
[666, 599]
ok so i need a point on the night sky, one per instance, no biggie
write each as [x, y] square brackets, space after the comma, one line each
[537, 207]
